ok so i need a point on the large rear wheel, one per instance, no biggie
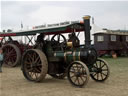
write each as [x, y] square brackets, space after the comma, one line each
[12, 55]
[34, 65]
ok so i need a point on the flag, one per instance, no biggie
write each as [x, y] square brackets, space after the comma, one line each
[21, 25]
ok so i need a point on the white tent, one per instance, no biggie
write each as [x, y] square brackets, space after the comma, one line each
[95, 29]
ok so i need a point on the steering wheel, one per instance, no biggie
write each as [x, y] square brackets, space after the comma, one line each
[58, 42]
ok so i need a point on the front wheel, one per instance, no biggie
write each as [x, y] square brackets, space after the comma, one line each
[100, 71]
[78, 74]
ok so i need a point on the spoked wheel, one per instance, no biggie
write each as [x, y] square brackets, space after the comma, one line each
[12, 55]
[59, 76]
[58, 42]
[35, 65]
[100, 70]
[78, 74]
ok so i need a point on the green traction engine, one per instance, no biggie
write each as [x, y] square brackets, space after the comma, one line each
[65, 58]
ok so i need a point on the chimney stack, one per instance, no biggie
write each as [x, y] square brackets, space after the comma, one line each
[87, 29]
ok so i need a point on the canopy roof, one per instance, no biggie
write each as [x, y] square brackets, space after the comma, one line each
[112, 32]
[75, 27]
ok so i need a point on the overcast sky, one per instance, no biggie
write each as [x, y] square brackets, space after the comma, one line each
[112, 14]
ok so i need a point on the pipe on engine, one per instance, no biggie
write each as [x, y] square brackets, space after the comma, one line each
[87, 29]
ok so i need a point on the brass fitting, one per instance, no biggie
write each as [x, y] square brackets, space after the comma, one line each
[87, 17]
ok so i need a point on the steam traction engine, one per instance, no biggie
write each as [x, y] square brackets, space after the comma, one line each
[57, 56]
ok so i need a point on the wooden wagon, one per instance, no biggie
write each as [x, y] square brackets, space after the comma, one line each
[111, 42]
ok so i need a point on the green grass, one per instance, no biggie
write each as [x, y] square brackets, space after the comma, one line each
[118, 65]
[117, 62]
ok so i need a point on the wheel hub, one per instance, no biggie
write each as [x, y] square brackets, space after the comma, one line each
[33, 65]
[99, 70]
[78, 74]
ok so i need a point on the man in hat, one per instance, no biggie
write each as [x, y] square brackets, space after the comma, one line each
[40, 42]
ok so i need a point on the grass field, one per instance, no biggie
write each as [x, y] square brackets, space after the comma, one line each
[13, 83]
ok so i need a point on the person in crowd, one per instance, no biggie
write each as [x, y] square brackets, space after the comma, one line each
[1, 59]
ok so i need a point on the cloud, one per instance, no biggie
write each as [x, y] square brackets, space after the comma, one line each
[107, 14]
[50, 14]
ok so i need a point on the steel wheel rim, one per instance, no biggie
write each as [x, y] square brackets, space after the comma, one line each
[10, 55]
[33, 65]
[78, 74]
[100, 70]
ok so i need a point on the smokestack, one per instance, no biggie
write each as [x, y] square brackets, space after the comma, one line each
[87, 30]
